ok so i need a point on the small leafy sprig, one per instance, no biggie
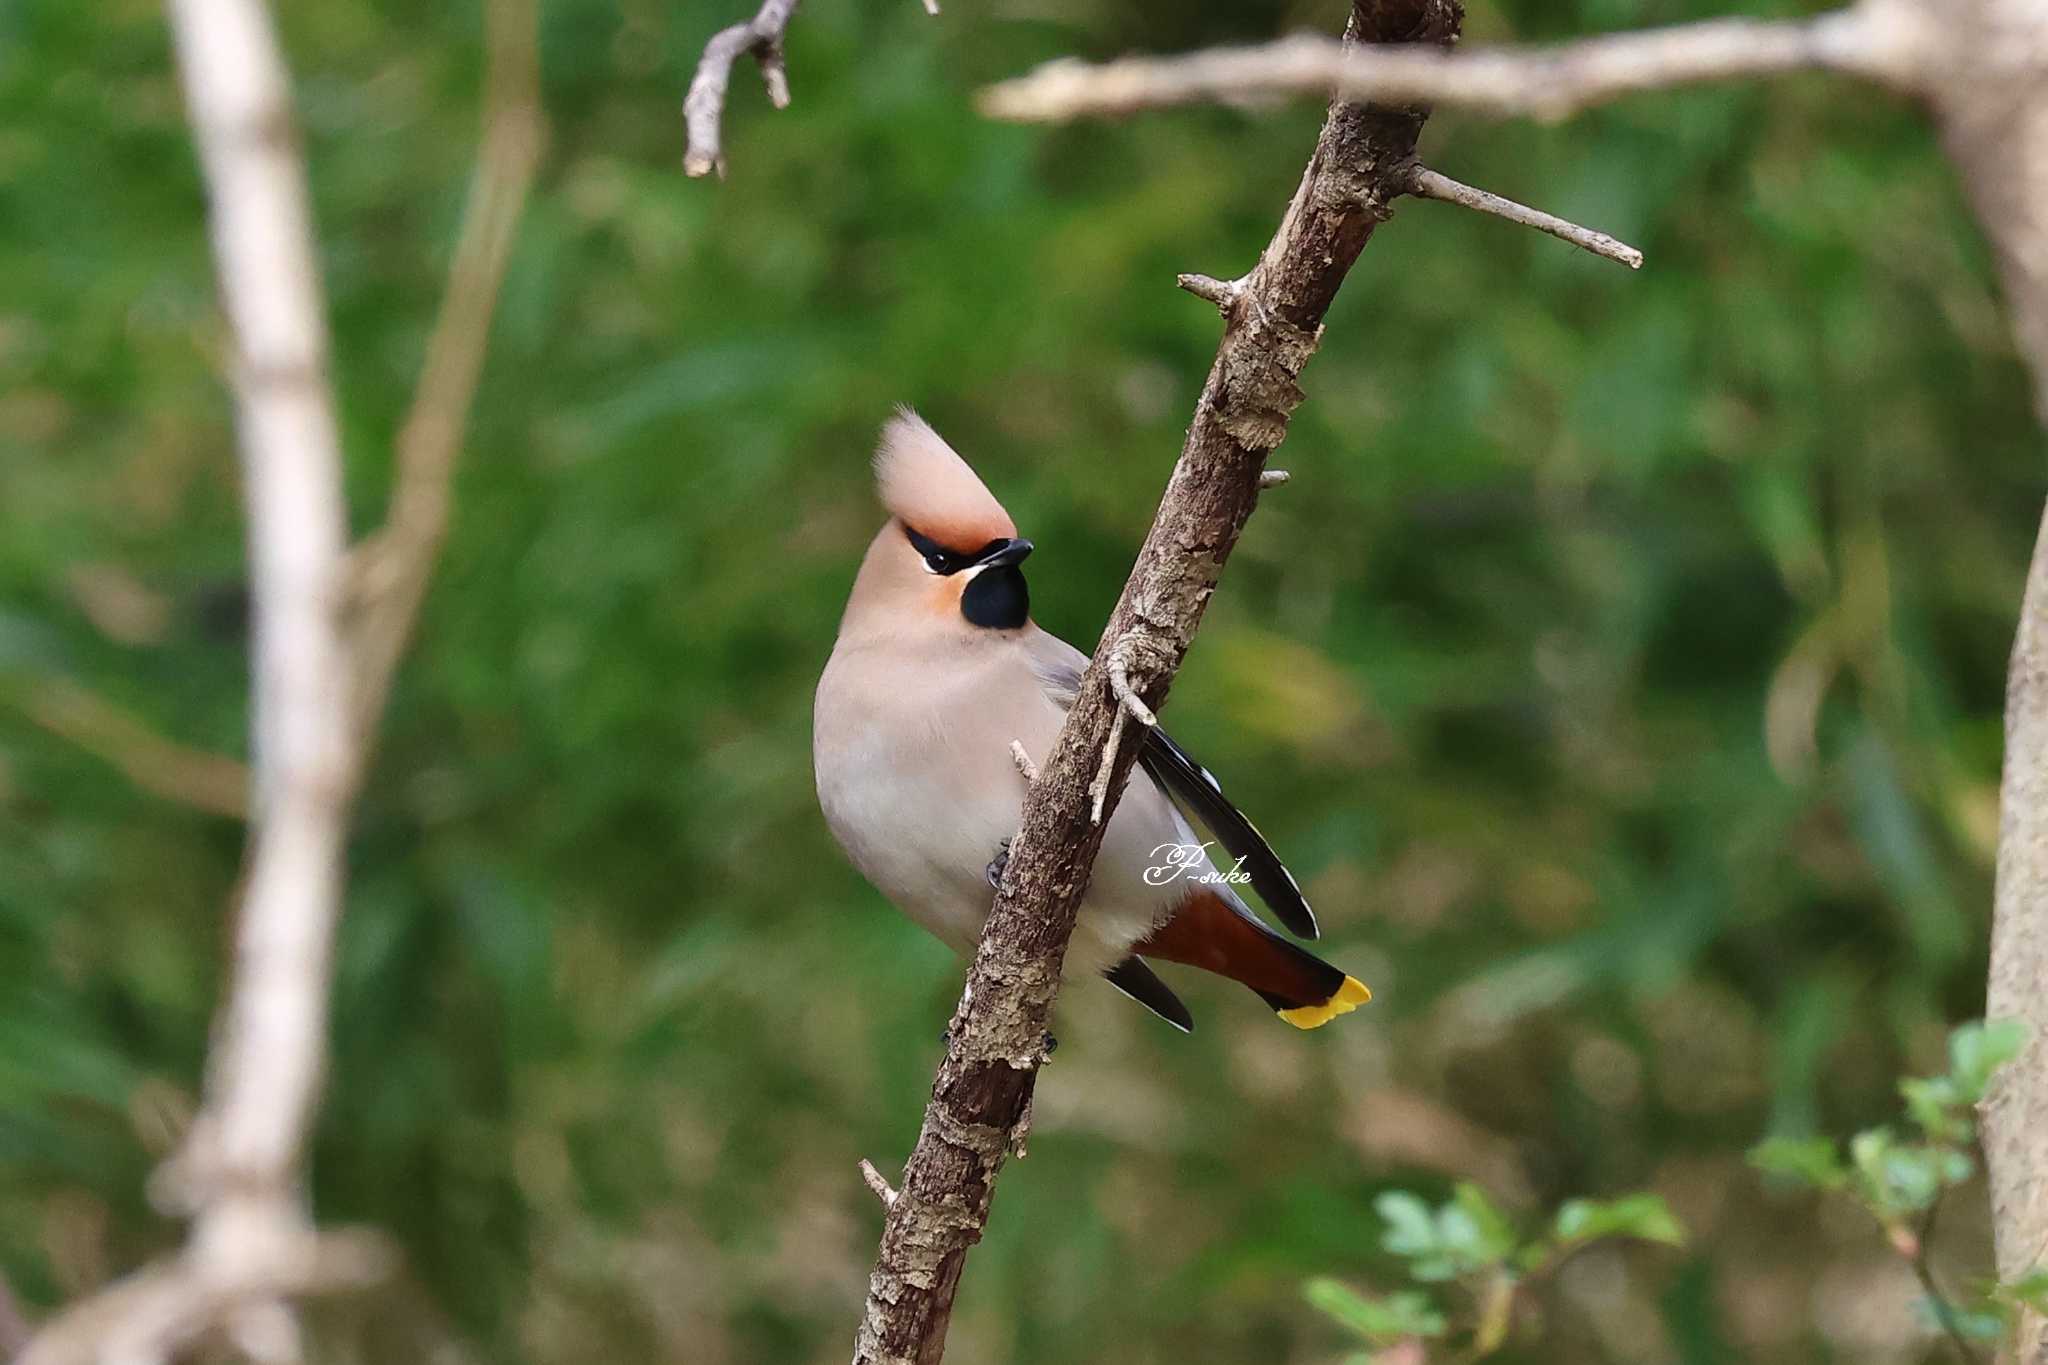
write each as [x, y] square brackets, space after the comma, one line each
[1900, 1178]
[1471, 1243]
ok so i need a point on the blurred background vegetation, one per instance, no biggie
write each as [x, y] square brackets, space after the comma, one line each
[1622, 673]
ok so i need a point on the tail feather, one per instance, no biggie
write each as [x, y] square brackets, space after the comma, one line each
[1210, 933]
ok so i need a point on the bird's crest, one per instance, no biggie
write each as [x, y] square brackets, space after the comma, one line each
[929, 488]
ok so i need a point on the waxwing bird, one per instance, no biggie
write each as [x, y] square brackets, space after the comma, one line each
[938, 669]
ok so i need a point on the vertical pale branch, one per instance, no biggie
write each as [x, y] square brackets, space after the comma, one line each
[1989, 87]
[240, 1171]
[329, 631]
[981, 1098]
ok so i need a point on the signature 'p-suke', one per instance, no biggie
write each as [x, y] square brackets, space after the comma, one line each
[938, 668]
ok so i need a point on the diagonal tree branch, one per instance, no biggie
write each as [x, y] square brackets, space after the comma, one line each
[1982, 67]
[394, 566]
[981, 1097]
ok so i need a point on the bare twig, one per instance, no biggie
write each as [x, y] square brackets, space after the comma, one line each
[704, 106]
[1020, 757]
[1222, 293]
[213, 783]
[1129, 705]
[1122, 655]
[1920, 1258]
[1098, 790]
[996, 1043]
[1878, 39]
[874, 1181]
[1425, 183]
[394, 565]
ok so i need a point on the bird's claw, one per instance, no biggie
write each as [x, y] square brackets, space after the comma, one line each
[994, 871]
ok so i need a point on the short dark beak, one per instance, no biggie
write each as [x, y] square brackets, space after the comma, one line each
[1010, 552]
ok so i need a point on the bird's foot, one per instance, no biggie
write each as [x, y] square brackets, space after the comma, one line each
[994, 871]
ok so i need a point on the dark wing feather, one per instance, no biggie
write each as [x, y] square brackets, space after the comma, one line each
[1059, 666]
[1190, 784]
[1136, 980]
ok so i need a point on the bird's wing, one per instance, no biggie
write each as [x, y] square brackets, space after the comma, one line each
[1135, 979]
[1190, 786]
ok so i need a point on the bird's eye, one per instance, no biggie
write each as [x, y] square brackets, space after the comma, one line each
[936, 561]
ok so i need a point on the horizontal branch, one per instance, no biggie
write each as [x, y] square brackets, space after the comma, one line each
[1425, 183]
[1877, 39]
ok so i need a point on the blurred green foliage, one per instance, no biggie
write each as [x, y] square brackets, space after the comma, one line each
[1472, 1242]
[1622, 674]
[1901, 1182]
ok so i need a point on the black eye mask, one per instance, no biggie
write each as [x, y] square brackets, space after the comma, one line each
[997, 597]
[945, 562]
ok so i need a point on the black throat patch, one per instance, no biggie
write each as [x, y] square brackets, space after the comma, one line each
[997, 598]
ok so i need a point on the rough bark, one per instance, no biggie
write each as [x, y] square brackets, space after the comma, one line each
[981, 1098]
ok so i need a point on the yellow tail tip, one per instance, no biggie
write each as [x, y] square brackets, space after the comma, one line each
[1349, 997]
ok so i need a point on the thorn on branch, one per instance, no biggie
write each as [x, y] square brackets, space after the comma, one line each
[1120, 660]
[704, 106]
[1425, 183]
[1023, 761]
[883, 1190]
[1222, 293]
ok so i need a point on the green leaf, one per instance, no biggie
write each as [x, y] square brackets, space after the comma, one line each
[1814, 1161]
[1977, 1050]
[1896, 1178]
[2030, 1289]
[1483, 1233]
[1411, 1231]
[1644, 1216]
[1934, 1104]
[1380, 1321]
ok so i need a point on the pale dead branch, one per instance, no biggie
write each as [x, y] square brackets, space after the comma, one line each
[320, 675]
[704, 105]
[1876, 39]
